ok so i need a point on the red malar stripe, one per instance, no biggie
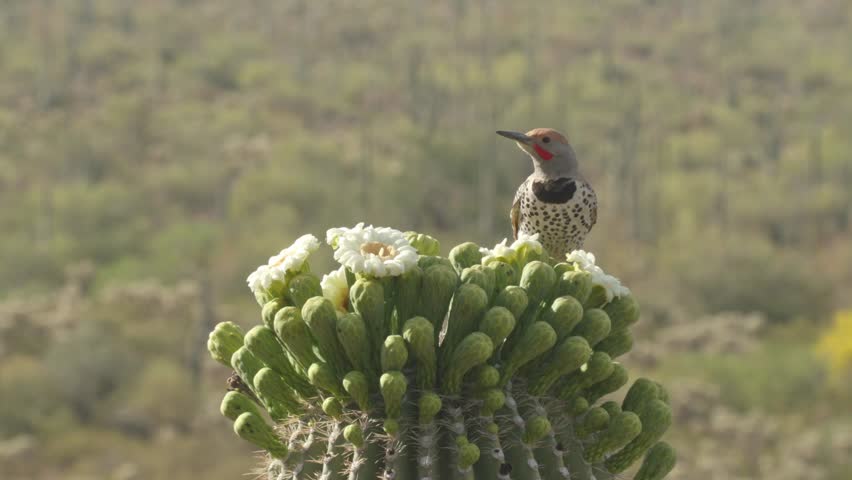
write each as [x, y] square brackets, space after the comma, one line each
[544, 154]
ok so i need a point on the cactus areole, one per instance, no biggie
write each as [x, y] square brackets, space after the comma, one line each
[402, 364]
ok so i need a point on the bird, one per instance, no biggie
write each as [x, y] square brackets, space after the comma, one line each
[555, 201]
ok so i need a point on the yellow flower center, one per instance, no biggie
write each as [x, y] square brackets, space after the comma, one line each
[379, 249]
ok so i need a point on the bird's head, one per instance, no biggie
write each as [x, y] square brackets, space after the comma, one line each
[551, 153]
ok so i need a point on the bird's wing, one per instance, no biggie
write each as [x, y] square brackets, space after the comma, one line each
[515, 212]
[593, 208]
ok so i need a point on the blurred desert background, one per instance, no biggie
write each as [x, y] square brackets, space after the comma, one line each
[153, 153]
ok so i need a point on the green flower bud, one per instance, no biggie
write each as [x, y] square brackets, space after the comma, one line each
[439, 285]
[468, 455]
[427, 261]
[428, 406]
[598, 368]
[473, 350]
[493, 399]
[354, 434]
[394, 353]
[577, 406]
[424, 244]
[577, 284]
[275, 393]
[483, 377]
[617, 343]
[262, 342]
[368, 300]
[594, 326]
[640, 393]
[562, 268]
[566, 357]
[419, 334]
[539, 280]
[235, 404]
[659, 461]
[536, 340]
[504, 274]
[612, 407]
[623, 311]
[251, 427]
[622, 428]
[302, 288]
[535, 429]
[355, 340]
[593, 420]
[295, 335]
[322, 376]
[465, 255]
[356, 385]
[263, 296]
[270, 309]
[332, 407]
[223, 341]
[563, 315]
[514, 299]
[321, 318]
[246, 365]
[597, 297]
[391, 426]
[656, 417]
[467, 307]
[392, 386]
[497, 323]
[490, 280]
[615, 380]
[479, 275]
[409, 285]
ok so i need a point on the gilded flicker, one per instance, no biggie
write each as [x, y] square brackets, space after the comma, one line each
[555, 201]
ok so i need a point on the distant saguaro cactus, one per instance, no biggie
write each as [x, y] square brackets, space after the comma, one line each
[403, 364]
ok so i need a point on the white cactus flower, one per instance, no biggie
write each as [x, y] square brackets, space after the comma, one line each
[374, 251]
[332, 234]
[260, 279]
[529, 241]
[586, 261]
[336, 288]
[502, 249]
[291, 259]
[582, 258]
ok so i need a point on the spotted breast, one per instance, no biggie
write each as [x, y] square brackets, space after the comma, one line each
[561, 210]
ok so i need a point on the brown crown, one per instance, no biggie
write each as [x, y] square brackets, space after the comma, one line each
[539, 133]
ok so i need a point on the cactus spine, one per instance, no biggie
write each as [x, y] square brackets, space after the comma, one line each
[467, 367]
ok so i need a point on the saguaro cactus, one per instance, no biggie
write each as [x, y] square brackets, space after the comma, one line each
[488, 364]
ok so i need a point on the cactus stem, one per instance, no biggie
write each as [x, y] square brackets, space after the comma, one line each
[332, 463]
[427, 450]
[549, 450]
[311, 449]
[367, 459]
[492, 460]
[518, 452]
[462, 456]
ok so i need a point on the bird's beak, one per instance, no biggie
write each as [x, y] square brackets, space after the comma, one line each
[516, 136]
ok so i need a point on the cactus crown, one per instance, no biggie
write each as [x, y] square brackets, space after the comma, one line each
[486, 364]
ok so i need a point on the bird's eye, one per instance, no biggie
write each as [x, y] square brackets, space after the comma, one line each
[546, 139]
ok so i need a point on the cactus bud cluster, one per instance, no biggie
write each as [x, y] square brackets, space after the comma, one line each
[484, 364]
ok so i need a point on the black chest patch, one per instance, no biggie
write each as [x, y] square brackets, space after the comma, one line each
[560, 190]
